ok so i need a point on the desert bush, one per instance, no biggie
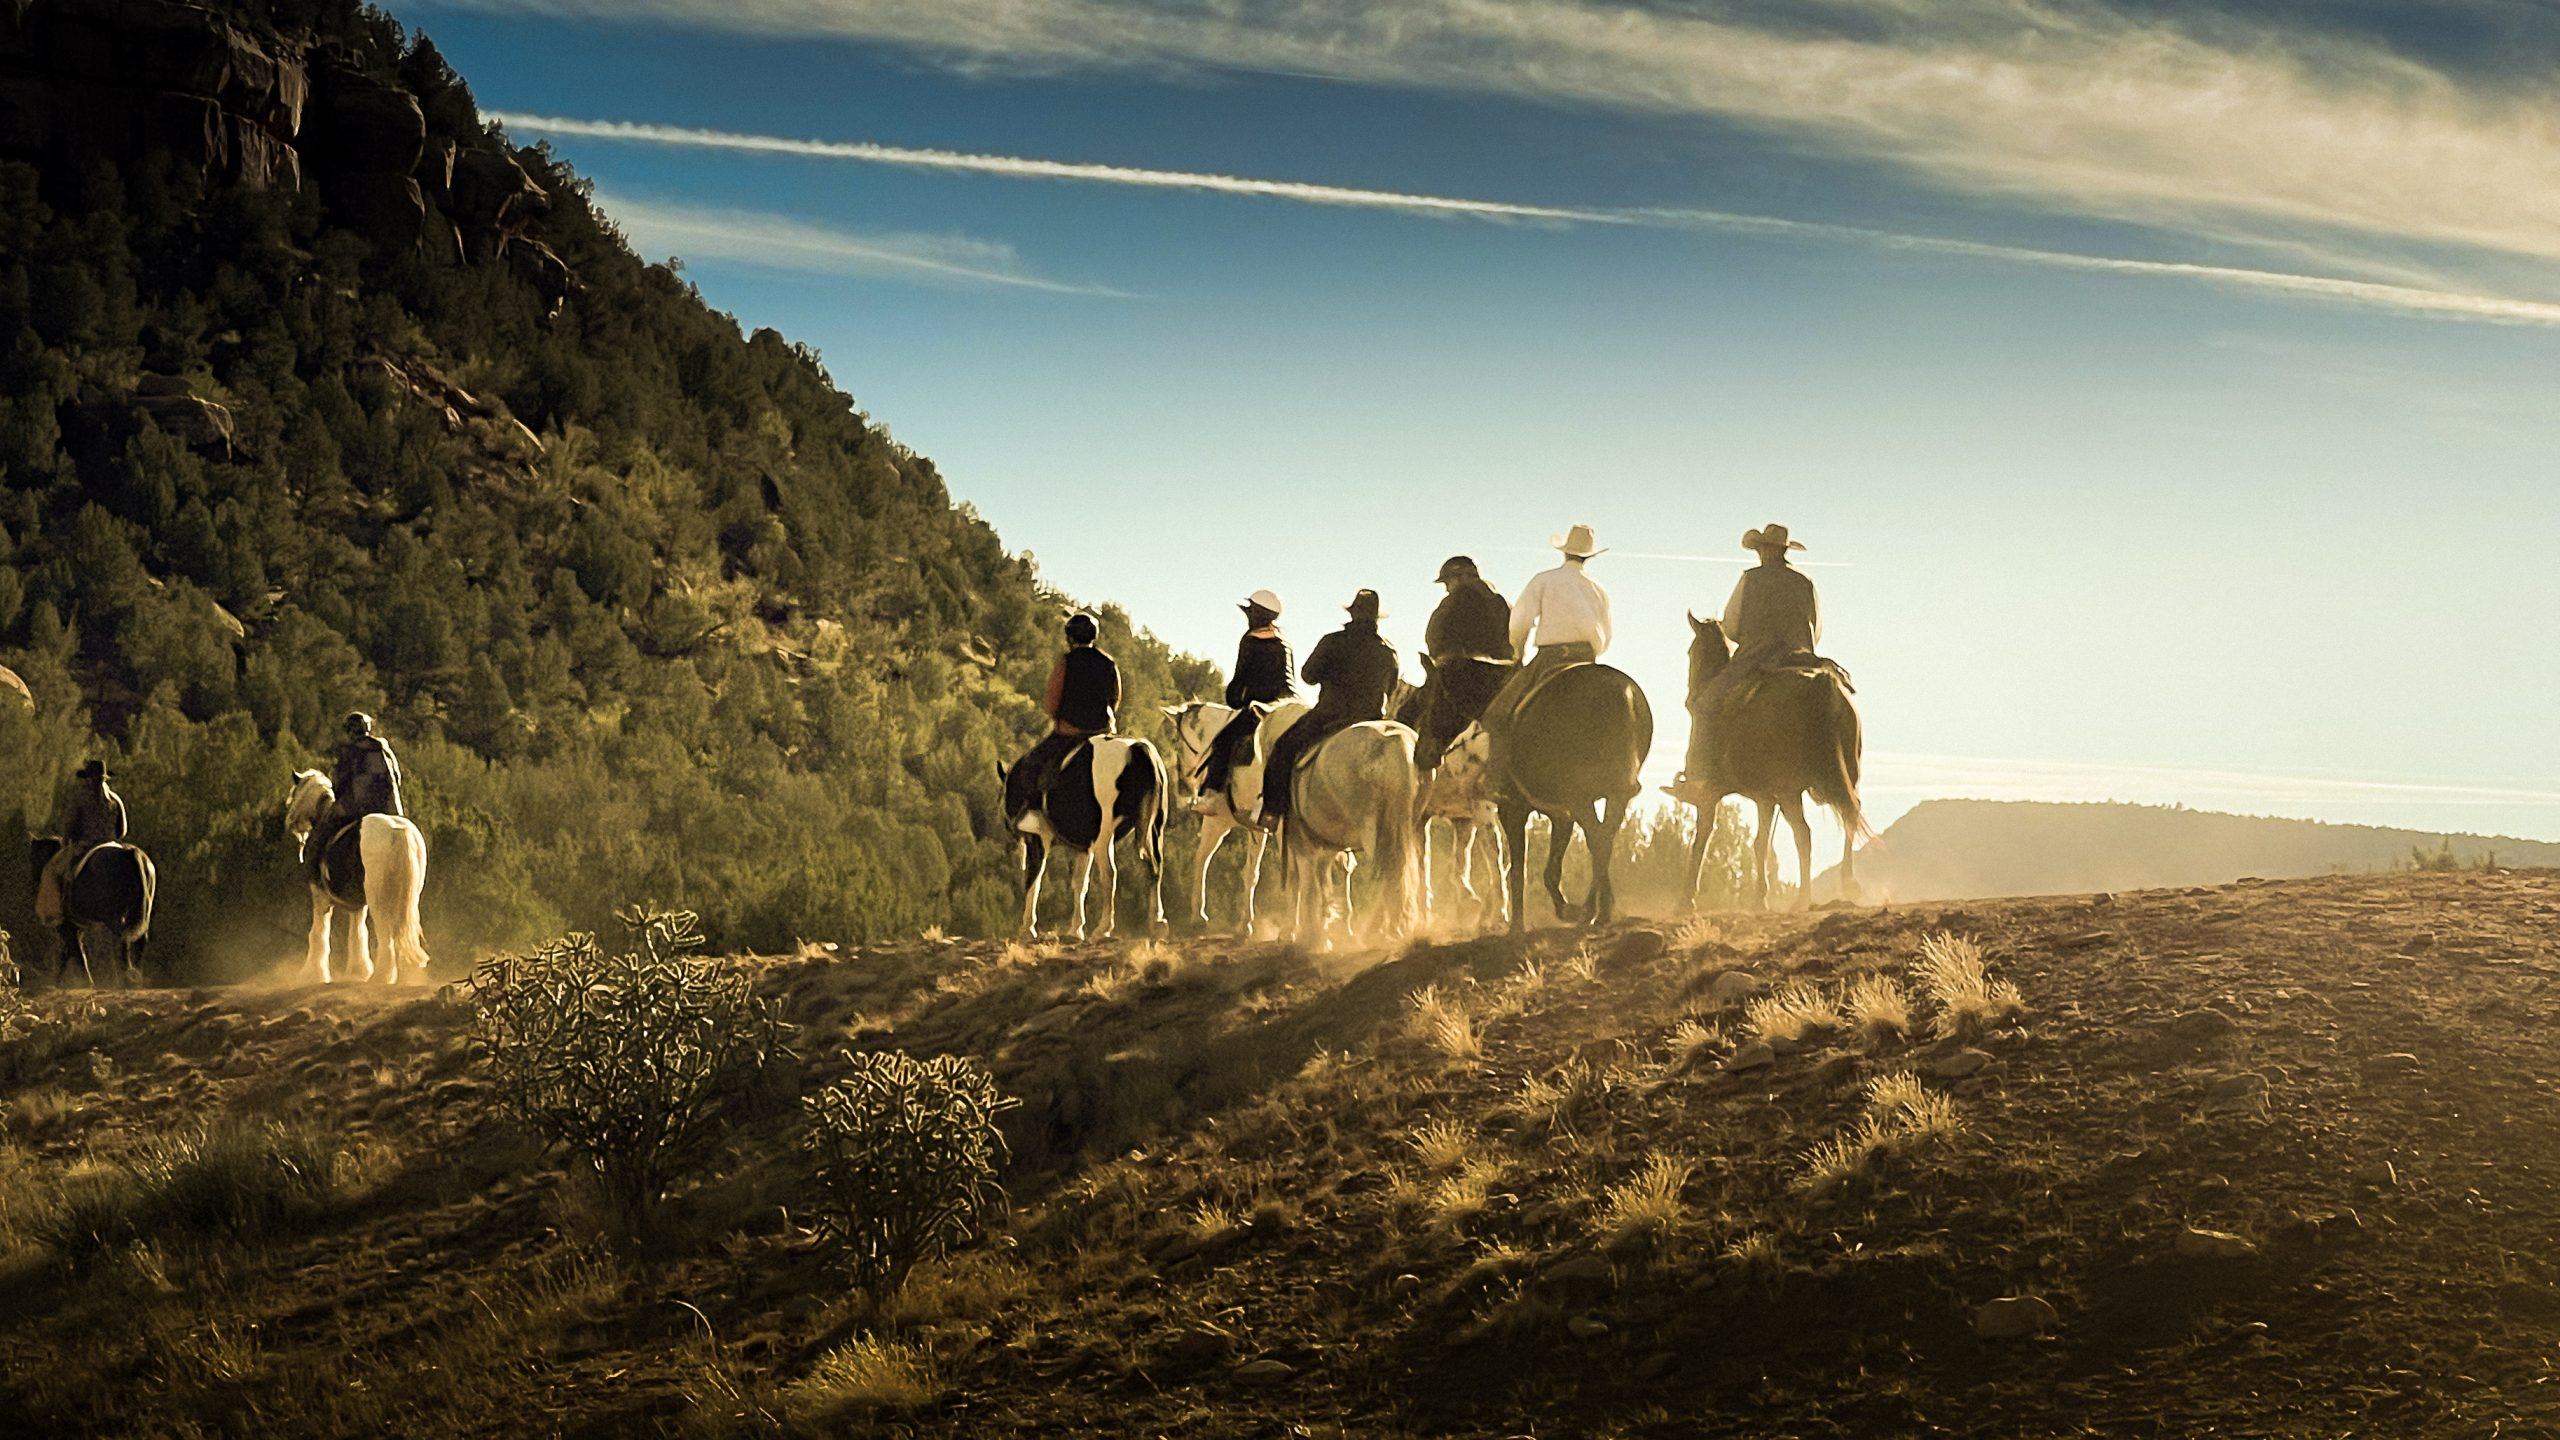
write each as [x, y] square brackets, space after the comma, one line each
[1445, 1022]
[904, 1153]
[1901, 1112]
[231, 1181]
[629, 1061]
[867, 1374]
[1951, 971]
[1443, 1144]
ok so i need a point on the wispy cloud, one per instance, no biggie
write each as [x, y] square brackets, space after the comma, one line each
[2235, 125]
[738, 239]
[779, 242]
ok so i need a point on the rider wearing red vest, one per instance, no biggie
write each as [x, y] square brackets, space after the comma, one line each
[1083, 693]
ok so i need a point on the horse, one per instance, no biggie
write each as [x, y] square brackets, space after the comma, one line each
[1458, 790]
[374, 872]
[1357, 793]
[1799, 735]
[1571, 753]
[1106, 788]
[1195, 727]
[108, 898]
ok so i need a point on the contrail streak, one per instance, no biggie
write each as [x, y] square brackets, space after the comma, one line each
[1027, 169]
[2368, 294]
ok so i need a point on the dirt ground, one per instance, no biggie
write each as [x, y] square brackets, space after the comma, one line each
[2278, 1157]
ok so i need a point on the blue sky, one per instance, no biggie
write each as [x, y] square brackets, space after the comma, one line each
[2166, 389]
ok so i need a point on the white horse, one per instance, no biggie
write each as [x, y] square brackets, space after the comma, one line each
[1357, 792]
[1460, 791]
[394, 856]
[1108, 787]
[1195, 725]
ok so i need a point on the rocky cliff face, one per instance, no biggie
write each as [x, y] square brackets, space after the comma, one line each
[227, 99]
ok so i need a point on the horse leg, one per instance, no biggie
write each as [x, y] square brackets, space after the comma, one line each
[1082, 883]
[1106, 858]
[1035, 863]
[315, 954]
[67, 936]
[1256, 847]
[1803, 830]
[1515, 843]
[1213, 833]
[355, 944]
[1707, 817]
[1585, 818]
[1603, 841]
[1848, 859]
[1559, 841]
[1764, 856]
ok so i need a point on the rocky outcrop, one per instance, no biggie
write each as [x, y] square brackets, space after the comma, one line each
[229, 100]
[169, 402]
[86, 80]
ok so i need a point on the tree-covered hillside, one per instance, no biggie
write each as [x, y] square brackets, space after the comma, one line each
[649, 606]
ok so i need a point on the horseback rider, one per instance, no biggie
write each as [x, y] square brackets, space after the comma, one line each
[1083, 693]
[1569, 614]
[1469, 642]
[1353, 670]
[1773, 618]
[1264, 673]
[364, 781]
[91, 815]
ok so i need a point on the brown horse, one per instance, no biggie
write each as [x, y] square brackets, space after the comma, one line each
[1797, 735]
[1572, 755]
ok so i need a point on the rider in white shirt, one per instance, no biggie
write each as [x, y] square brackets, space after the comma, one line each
[1568, 614]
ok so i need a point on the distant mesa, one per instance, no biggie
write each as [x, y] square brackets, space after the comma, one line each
[1976, 849]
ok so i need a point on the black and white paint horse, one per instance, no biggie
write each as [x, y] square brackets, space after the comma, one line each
[1195, 726]
[1108, 787]
[1460, 790]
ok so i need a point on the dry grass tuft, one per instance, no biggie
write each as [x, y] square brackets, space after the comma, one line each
[1694, 1044]
[1153, 960]
[934, 935]
[1461, 1197]
[1952, 973]
[1901, 1113]
[1878, 1007]
[1694, 933]
[1790, 1014]
[1584, 963]
[1756, 1250]
[1115, 982]
[1553, 1099]
[868, 1374]
[1442, 1144]
[1446, 1024]
[1646, 1204]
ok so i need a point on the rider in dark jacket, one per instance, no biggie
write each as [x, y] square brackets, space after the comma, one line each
[1469, 642]
[92, 815]
[1353, 669]
[365, 781]
[1263, 674]
[1083, 693]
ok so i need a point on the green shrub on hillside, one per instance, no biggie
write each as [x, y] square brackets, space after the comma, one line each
[628, 1061]
[905, 1154]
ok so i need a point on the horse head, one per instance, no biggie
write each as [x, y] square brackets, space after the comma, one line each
[1708, 651]
[310, 794]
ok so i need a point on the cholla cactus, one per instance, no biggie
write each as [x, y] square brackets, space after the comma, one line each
[905, 1154]
[628, 1061]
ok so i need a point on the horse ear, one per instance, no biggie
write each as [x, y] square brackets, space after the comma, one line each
[1696, 625]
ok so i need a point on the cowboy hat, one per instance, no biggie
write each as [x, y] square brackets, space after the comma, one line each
[1364, 606]
[93, 770]
[1577, 542]
[1261, 600]
[1456, 567]
[1769, 537]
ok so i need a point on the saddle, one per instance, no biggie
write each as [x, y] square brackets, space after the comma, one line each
[1803, 665]
[342, 859]
[1538, 683]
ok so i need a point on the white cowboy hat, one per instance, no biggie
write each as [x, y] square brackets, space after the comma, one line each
[1263, 599]
[1769, 537]
[1576, 542]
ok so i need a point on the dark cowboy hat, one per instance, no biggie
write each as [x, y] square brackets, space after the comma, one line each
[1364, 606]
[1456, 567]
[93, 770]
[1081, 628]
[1770, 537]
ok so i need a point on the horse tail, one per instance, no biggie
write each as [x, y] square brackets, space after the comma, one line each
[1159, 805]
[1839, 788]
[394, 879]
[1400, 842]
[135, 923]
